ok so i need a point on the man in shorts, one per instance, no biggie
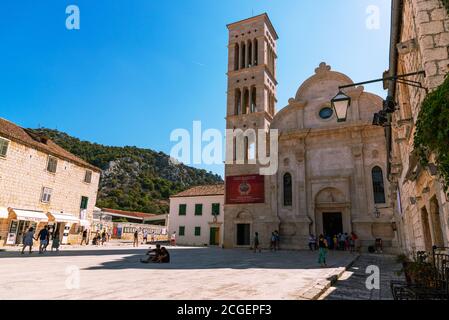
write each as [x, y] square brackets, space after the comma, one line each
[43, 238]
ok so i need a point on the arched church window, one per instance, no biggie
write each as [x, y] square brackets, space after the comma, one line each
[256, 51]
[238, 102]
[378, 185]
[243, 56]
[253, 100]
[236, 56]
[288, 192]
[245, 108]
[250, 54]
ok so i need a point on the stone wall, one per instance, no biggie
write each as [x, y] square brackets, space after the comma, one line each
[424, 46]
[23, 174]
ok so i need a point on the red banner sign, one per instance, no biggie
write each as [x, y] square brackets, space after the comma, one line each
[245, 189]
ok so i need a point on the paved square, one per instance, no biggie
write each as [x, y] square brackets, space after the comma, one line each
[114, 272]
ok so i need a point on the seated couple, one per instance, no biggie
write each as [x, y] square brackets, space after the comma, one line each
[158, 255]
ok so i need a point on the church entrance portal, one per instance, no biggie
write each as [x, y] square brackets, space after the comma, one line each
[243, 235]
[332, 223]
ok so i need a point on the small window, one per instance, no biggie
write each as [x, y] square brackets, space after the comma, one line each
[198, 209]
[378, 185]
[3, 147]
[215, 209]
[88, 176]
[46, 195]
[182, 231]
[182, 209]
[197, 231]
[52, 164]
[288, 190]
[326, 113]
[84, 202]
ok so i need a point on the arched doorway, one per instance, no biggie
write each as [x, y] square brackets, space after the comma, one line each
[243, 223]
[331, 212]
[436, 223]
[427, 236]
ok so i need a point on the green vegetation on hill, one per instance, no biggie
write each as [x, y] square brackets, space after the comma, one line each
[132, 178]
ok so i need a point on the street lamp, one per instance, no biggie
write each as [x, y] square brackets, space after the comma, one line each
[340, 103]
[376, 212]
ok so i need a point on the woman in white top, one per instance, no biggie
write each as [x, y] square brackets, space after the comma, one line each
[28, 240]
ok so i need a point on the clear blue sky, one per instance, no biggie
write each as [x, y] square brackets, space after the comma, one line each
[137, 69]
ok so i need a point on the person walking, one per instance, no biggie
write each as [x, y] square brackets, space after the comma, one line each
[322, 245]
[312, 242]
[335, 242]
[103, 237]
[136, 239]
[84, 239]
[28, 240]
[278, 240]
[273, 242]
[256, 242]
[55, 244]
[173, 239]
[145, 237]
[43, 238]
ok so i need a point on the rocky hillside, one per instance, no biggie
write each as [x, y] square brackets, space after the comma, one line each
[133, 178]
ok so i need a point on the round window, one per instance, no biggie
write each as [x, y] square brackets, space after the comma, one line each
[326, 113]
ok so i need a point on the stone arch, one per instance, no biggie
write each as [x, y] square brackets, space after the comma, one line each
[329, 196]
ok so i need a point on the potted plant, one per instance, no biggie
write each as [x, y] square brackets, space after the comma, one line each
[418, 271]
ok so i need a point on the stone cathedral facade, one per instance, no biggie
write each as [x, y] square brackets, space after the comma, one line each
[331, 176]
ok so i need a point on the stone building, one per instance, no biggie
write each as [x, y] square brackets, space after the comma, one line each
[42, 184]
[332, 177]
[419, 42]
[196, 215]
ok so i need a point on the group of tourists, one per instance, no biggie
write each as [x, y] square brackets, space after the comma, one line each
[274, 241]
[43, 236]
[98, 239]
[157, 255]
[341, 241]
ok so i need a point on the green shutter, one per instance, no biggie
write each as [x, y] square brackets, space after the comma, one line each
[215, 209]
[197, 231]
[84, 201]
[198, 209]
[182, 230]
[182, 209]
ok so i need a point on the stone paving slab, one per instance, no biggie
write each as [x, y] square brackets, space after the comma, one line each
[352, 283]
[114, 272]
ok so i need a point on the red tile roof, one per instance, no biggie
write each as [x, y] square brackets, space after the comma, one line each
[30, 139]
[129, 213]
[206, 190]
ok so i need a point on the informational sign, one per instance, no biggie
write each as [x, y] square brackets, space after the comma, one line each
[245, 189]
[11, 238]
[65, 235]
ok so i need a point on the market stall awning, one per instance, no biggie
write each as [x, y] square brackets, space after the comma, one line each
[29, 215]
[59, 217]
[3, 213]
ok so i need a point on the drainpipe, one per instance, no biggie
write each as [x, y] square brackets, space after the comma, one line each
[395, 36]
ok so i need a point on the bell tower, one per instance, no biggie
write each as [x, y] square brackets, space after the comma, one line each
[251, 104]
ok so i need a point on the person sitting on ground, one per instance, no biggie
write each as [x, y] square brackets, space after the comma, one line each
[152, 254]
[164, 256]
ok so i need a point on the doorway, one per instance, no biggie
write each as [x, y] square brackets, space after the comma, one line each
[214, 236]
[438, 239]
[243, 234]
[332, 223]
[21, 228]
[426, 230]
